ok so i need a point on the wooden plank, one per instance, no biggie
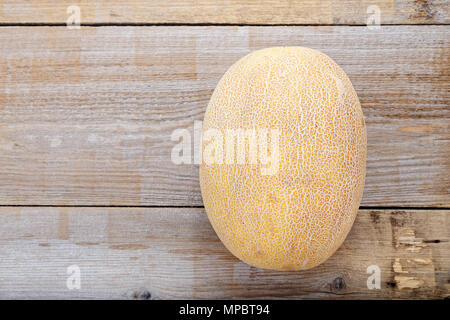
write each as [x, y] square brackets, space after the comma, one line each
[171, 253]
[230, 12]
[86, 116]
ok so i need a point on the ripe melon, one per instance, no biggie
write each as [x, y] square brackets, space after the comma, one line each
[293, 210]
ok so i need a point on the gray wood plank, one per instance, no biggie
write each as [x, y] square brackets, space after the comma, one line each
[167, 253]
[234, 11]
[86, 116]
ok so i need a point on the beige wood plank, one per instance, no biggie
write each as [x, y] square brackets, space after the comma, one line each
[86, 116]
[229, 12]
[174, 253]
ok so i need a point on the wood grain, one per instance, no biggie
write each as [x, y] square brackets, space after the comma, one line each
[260, 12]
[86, 116]
[167, 253]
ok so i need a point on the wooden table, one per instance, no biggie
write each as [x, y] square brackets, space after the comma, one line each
[86, 117]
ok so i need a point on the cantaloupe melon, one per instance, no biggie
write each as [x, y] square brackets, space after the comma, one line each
[295, 209]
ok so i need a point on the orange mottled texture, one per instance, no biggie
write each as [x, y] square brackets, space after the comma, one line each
[297, 217]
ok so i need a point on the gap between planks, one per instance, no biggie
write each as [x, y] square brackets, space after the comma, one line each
[188, 207]
[127, 24]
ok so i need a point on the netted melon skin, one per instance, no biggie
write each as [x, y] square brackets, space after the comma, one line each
[298, 217]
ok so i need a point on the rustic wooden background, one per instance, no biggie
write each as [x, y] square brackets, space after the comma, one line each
[86, 117]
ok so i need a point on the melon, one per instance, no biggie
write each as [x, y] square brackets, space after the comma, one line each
[283, 158]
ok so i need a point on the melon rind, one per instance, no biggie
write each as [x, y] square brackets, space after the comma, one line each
[297, 218]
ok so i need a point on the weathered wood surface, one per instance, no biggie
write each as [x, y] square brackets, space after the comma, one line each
[86, 116]
[231, 12]
[174, 253]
